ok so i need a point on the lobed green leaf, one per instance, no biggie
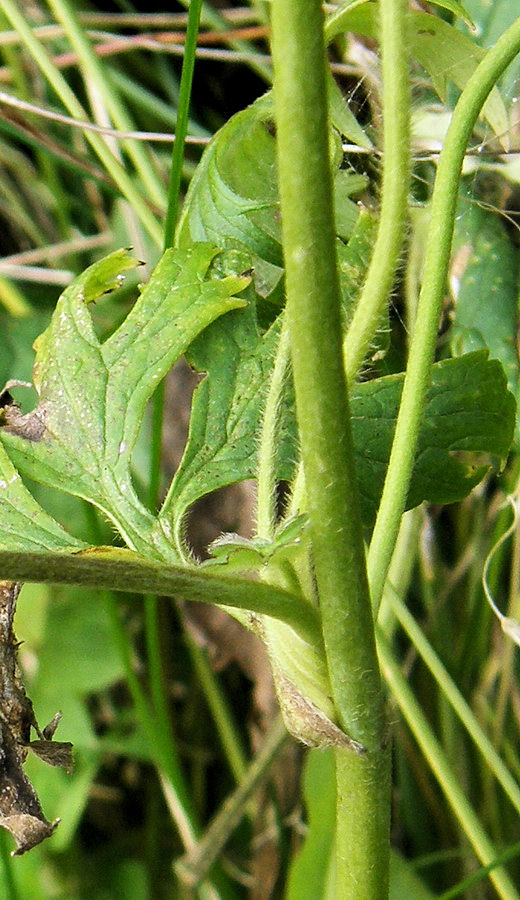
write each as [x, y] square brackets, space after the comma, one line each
[233, 197]
[468, 411]
[92, 396]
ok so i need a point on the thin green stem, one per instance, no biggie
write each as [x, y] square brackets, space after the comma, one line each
[155, 671]
[422, 347]
[401, 569]
[163, 753]
[229, 735]
[266, 466]
[162, 748]
[376, 291]
[500, 860]
[442, 770]
[181, 130]
[313, 310]
[161, 744]
[507, 661]
[59, 84]
[212, 17]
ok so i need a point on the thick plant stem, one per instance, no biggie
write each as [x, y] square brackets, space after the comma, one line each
[323, 416]
[422, 347]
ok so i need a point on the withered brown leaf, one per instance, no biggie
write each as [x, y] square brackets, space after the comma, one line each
[20, 809]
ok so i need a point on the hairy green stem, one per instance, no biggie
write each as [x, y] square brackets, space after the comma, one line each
[313, 309]
[122, 570]
[267, 450]
[422, 347]
[375, 294]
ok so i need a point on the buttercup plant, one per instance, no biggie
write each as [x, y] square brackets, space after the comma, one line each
[271, 289]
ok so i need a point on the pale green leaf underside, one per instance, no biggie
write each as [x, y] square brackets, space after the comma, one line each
[92, 399]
